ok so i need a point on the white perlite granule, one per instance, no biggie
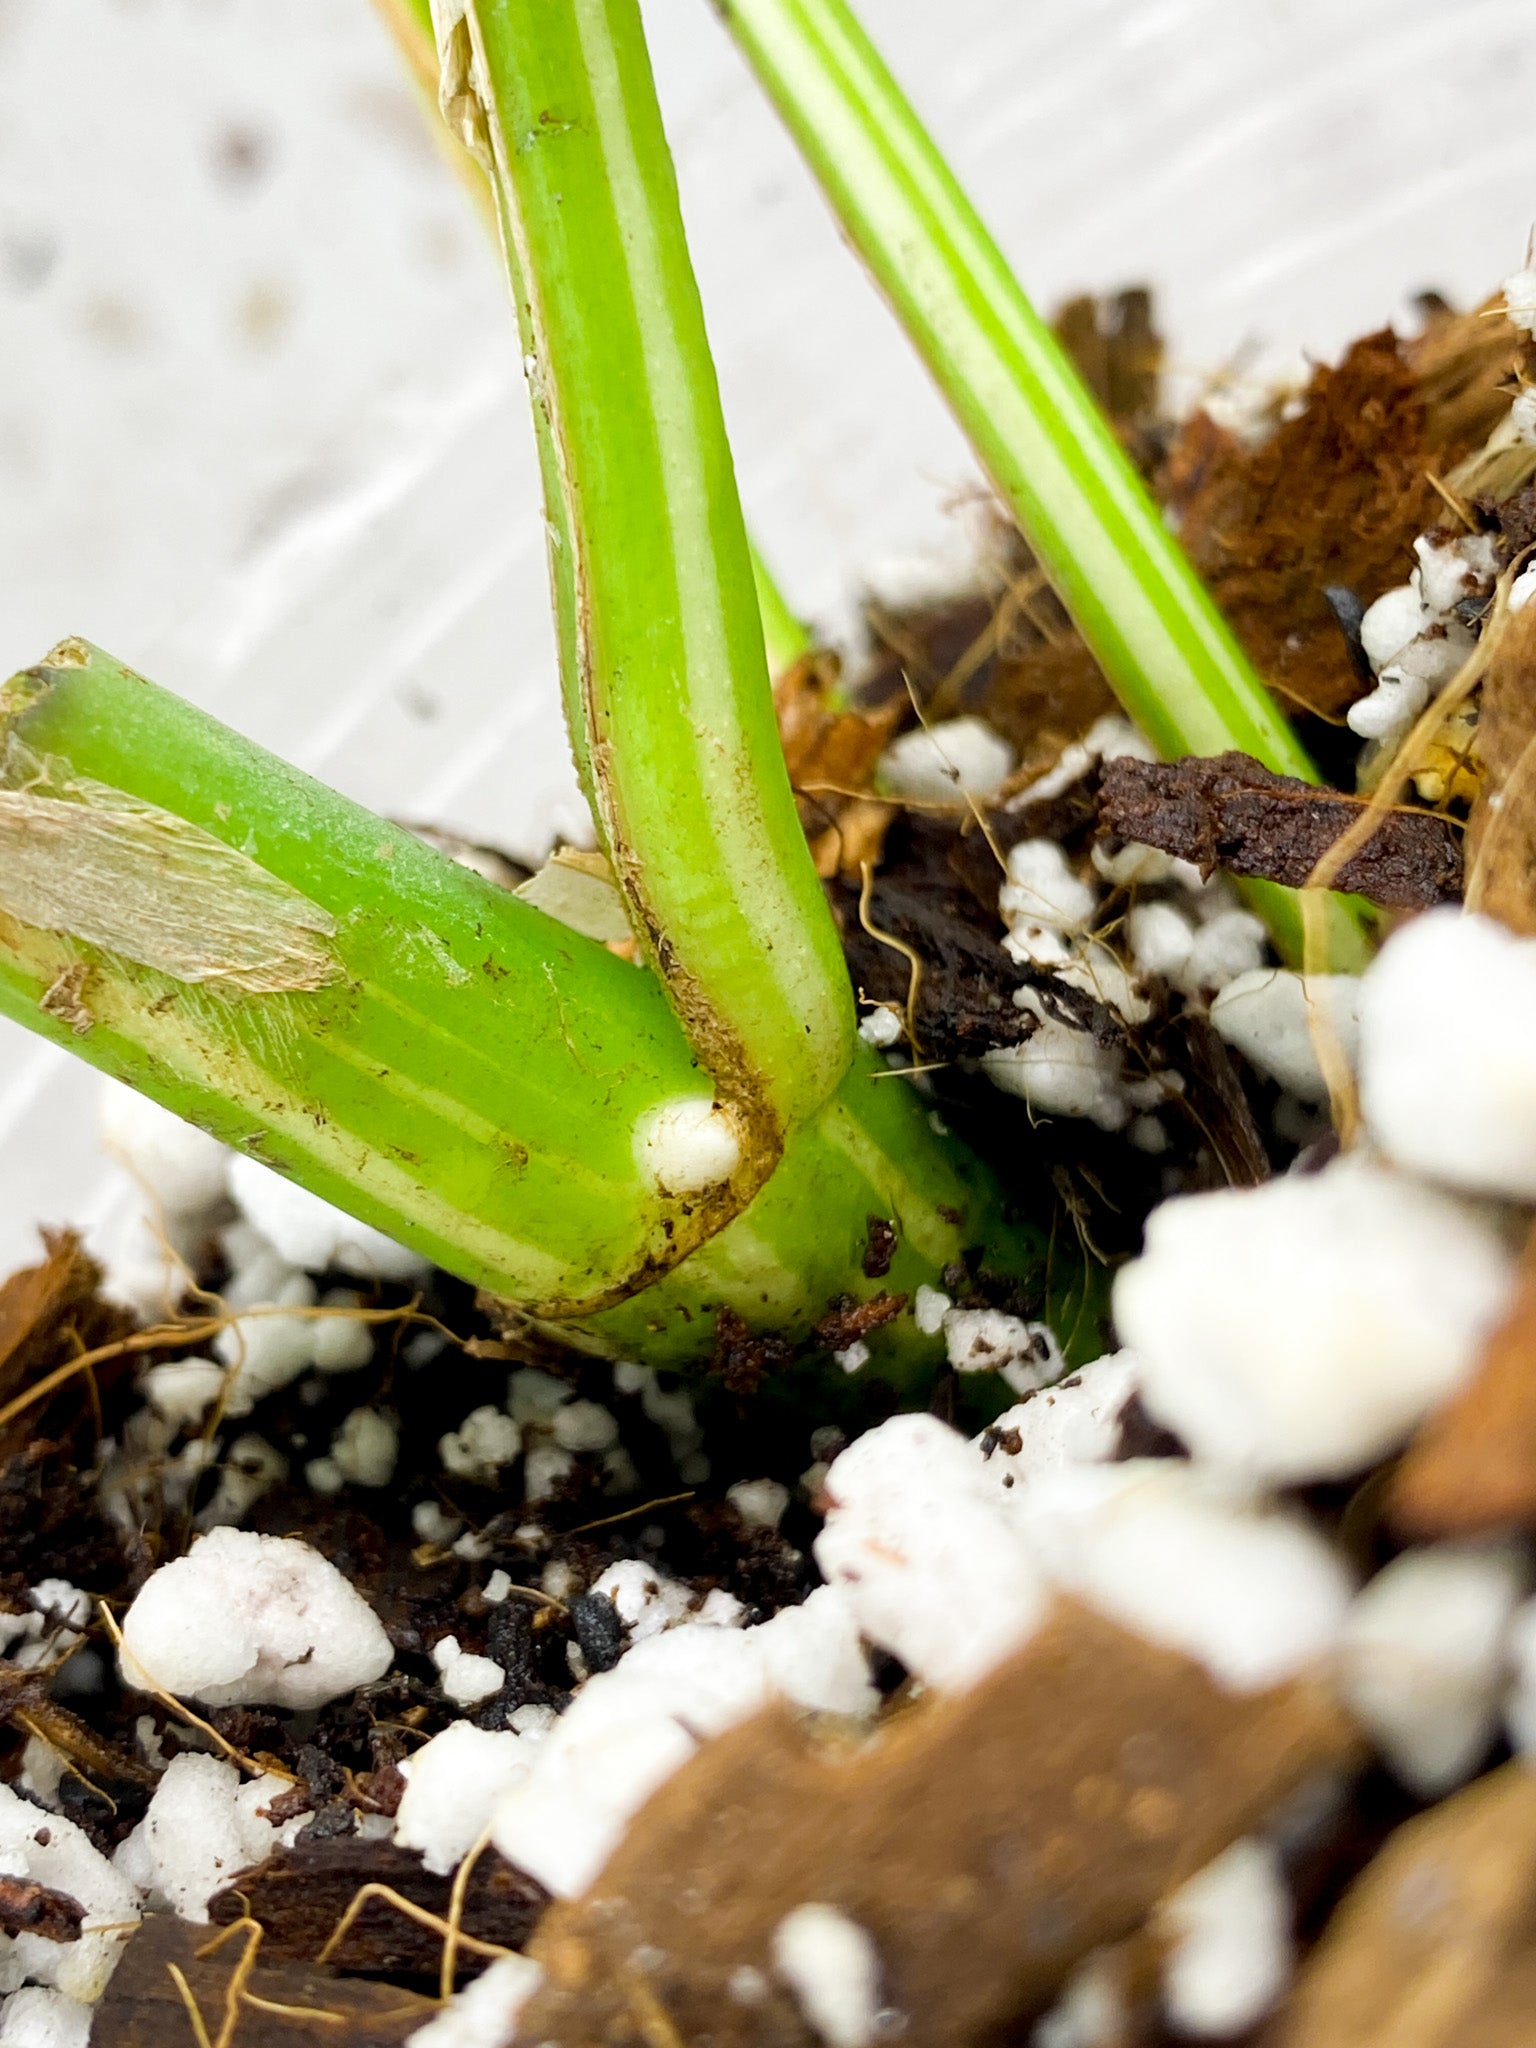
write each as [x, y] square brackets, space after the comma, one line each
[1185, 1556]
[1276, 1020]
[921, 1547]
[832, 1967]
[57, 1853]
[485, 2013]
[1421, 1661]
[1300, 1330]
[451, 1785]
[1448, 1056]
[937, 764]
[1230, 1926]
[629, 1729]
[35, 2018]
[466, 1678]
[312, 1233]
[247, 1620]
[687, 1145]
[1076, 1422]
[202, 1827]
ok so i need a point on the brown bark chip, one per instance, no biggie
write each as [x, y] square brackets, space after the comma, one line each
[1472, 1466]
[144, 2009]
[300, 1894]
[1501, 832]
[1434, 1945]
[986, 1842]
[1231, 812]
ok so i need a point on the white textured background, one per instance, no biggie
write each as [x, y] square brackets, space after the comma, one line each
[261, 425]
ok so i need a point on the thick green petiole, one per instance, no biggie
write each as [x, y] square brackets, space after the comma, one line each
[1169, 655]
[410, 24]
[410, 1042]
[320, 989]
[665, 678]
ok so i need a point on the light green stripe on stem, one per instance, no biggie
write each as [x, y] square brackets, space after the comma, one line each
[410, 24]
[1166, 650]
[665, 678]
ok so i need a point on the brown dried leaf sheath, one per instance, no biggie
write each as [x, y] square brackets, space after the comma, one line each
[1501, 832]
[986, 1841]
[1472, 1466]
[1336, 495]
[1231, 812]
[1434, 1945]
[831, 755]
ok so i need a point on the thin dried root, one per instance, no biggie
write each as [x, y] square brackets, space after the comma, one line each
[185, 1713]
[412, 1911]
[456, 1898]
[913, 959]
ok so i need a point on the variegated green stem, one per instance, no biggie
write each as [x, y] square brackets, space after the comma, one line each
[410, 25]
[665, 678]
[784, 637]
[1166, 650]
[325, 992]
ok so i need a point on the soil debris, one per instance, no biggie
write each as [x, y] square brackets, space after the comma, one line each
[27, 1907]
[923, 897]
[743, 1360]
[1335, 495]
[1472, 1466]
[1232, 813]
[1432, 1946]
[300, 1895]
[848, 1320]
[879, 1248]
[983, 1866]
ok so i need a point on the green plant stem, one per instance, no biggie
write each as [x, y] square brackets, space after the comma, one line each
[1152, 626]
[665, 679]
[469, 1074]
[784, 637]
[429, 1052]
[409, 23]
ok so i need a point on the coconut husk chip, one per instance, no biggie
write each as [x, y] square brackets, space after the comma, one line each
[1434, 1945]
[1472, 1466]
[985, 1841]
[1337, 493]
